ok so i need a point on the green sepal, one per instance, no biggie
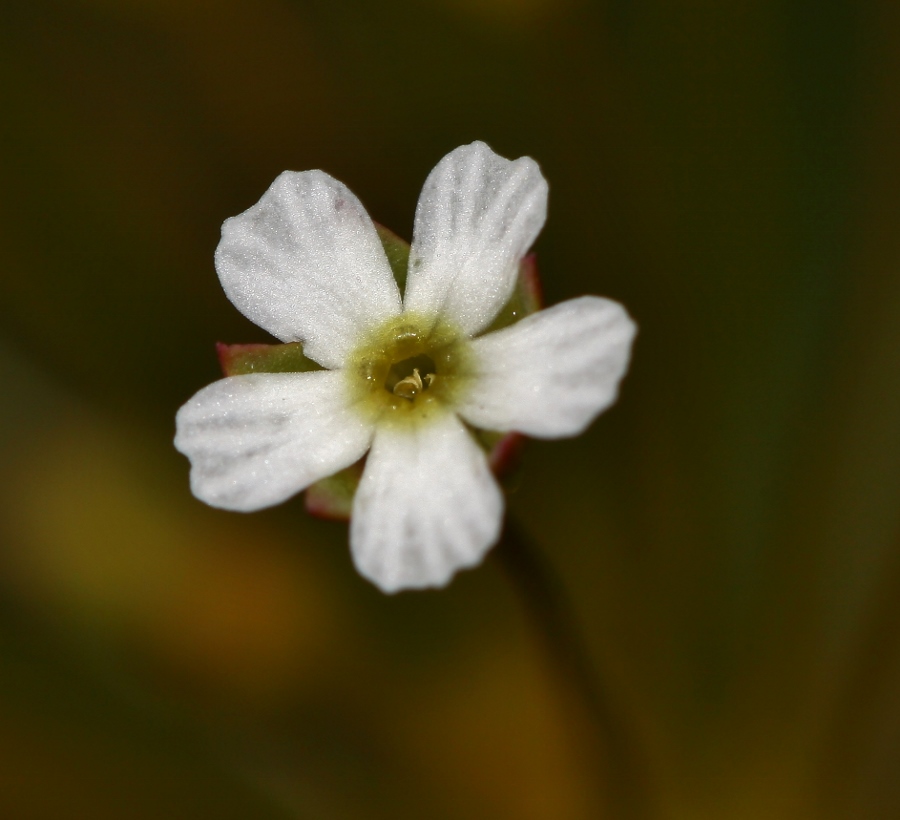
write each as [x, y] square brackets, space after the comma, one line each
[332, 497]
[397, 252]
[239, 360]
[527, 296]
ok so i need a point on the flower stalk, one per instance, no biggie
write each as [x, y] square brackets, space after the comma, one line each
[605, 733]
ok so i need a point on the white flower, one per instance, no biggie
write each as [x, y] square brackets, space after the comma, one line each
[403, 376]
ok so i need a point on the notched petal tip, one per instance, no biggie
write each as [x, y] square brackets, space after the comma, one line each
[553, 373]
[427, 507]
[256, 440]
[477, 216]
[306, 264]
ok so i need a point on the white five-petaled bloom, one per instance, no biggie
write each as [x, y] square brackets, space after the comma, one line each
[402, 376]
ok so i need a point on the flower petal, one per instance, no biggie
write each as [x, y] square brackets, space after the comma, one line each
[306, 264]
[426, 507]
[477, 216]
[552, 373]
[256, 440]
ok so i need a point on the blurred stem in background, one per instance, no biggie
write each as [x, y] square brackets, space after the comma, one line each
[606, 733]
[853, 733]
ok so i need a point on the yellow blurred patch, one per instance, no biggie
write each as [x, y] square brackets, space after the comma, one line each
[498, 728]
[101, 543]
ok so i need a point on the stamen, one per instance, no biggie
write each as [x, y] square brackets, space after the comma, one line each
[411, 385]
[405, 378]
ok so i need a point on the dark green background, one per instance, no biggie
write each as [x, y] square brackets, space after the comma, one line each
[730, 171]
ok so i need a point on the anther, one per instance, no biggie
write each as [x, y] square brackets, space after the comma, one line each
[411, 385]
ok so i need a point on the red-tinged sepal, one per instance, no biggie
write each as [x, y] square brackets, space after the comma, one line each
[505, 456]
[504, 452]
[529, 286]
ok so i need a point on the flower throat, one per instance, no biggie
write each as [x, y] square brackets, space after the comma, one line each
[408, 368]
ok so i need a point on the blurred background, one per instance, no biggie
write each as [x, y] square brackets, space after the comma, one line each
[729, 533]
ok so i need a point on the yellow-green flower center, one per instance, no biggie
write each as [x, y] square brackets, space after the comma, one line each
[409, 369]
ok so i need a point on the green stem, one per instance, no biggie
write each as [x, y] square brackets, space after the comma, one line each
[619, 765]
